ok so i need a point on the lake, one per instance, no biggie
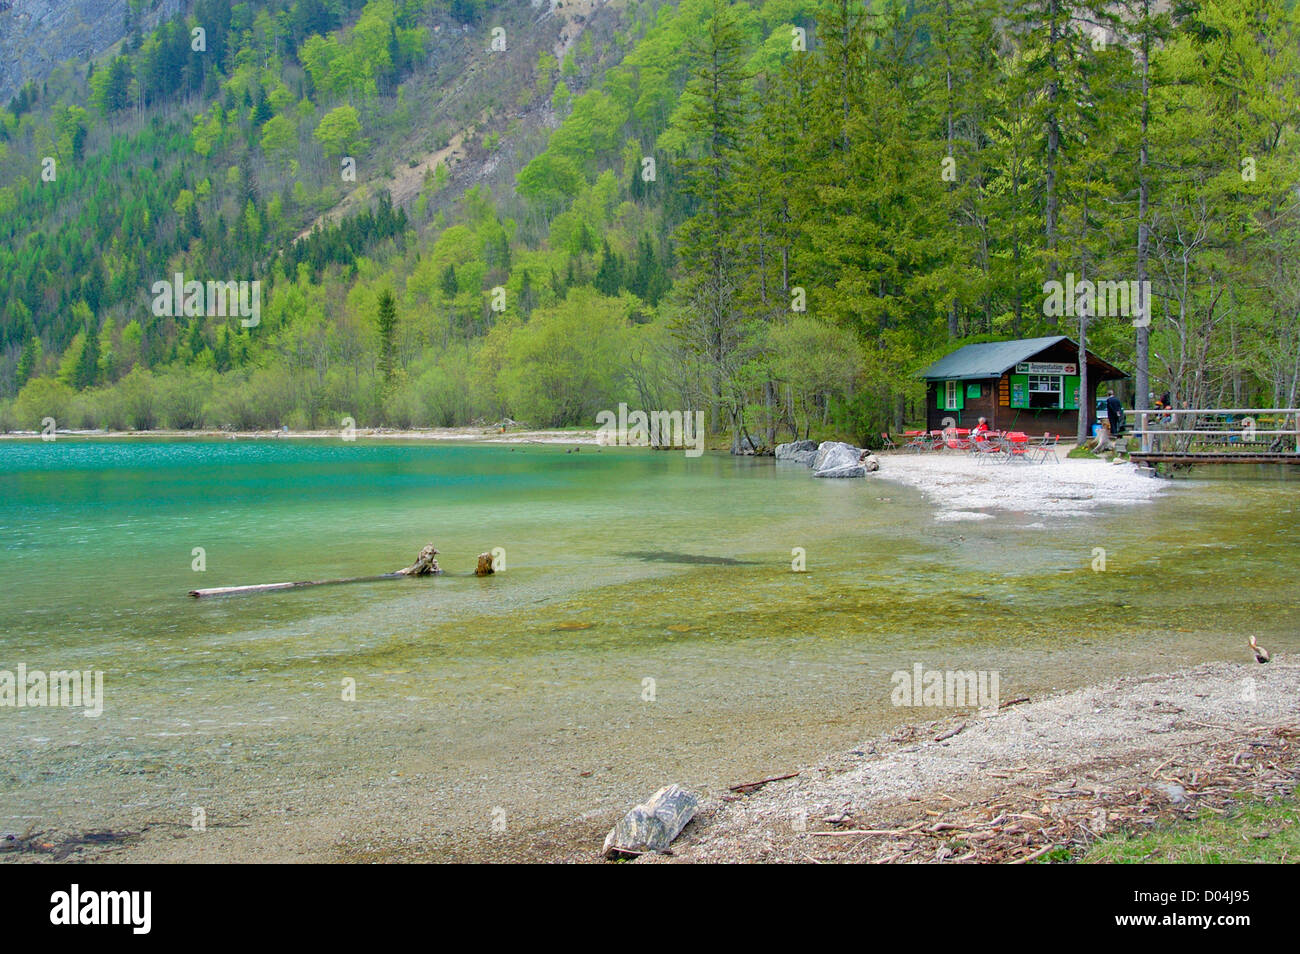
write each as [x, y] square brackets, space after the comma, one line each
[647, 627]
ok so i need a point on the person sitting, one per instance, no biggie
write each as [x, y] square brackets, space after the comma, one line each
[978, 432]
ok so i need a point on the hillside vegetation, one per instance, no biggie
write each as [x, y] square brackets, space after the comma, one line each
[774, 211]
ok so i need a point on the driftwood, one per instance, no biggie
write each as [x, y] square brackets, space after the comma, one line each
[942, 736]
[652, 826]
[484, 567]
[426, 564]
[744, 788]
[1027, 822]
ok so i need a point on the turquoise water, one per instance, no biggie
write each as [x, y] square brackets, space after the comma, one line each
[621, 566]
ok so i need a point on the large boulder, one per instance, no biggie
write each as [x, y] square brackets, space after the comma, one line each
[843, 470]
[744, 446]
[837, 450]
[837, 459]
[799, 452]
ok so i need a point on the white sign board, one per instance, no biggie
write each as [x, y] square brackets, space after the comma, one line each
[1045, 367]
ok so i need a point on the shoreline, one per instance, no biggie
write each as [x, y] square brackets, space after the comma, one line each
[480, 435]
[1040, 776]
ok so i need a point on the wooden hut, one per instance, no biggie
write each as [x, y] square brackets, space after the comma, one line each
[1030, 385]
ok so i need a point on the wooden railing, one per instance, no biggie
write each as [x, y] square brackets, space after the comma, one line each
[1224, 435]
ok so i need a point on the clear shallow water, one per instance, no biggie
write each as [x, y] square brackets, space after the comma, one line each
[474, 693]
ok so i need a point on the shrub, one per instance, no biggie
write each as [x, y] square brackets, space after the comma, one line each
[41, 398]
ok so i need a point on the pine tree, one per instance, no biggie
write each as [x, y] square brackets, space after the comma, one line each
[713, 121]
[386, 323]
[28, 360]
[87, 368]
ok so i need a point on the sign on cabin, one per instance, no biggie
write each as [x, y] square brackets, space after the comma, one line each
[1045, 367]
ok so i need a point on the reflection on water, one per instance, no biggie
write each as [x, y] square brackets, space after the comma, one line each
[647, 626]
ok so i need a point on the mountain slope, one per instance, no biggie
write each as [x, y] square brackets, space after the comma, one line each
[37, 35]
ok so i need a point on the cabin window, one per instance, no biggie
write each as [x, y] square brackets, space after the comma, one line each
[948, 396]
[1044, 390]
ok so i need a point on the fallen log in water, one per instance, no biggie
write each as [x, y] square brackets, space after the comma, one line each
[426, 564]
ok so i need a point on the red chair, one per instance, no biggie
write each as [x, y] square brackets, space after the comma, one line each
[1016, 447]
[988, 447]
[1047, 447]
[886, 443]
[916, 441]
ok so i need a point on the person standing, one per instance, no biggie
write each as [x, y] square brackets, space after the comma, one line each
[1114, 413]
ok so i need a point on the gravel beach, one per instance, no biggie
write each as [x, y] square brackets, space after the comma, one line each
[962, 488]
[1143, 747]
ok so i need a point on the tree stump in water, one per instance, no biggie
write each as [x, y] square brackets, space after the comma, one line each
[484, 567]
[652, 826]
[426, 564]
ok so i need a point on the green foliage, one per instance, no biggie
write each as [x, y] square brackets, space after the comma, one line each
[386, 325]
[339, 131]
[41, 398]
[565, 364]
[778, 236]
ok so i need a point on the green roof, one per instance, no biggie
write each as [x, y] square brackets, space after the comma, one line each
[987, 360]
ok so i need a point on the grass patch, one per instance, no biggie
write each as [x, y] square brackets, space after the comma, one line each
[1081, 453]
[1255, 832]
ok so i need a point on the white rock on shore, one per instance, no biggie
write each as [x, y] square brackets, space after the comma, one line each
[837, 459]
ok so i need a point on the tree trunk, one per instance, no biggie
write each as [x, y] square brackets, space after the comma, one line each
[1142, 377]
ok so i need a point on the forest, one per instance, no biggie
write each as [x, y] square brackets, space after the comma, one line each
[775, 212]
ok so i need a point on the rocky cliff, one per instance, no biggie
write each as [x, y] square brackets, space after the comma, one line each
[37, 35]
